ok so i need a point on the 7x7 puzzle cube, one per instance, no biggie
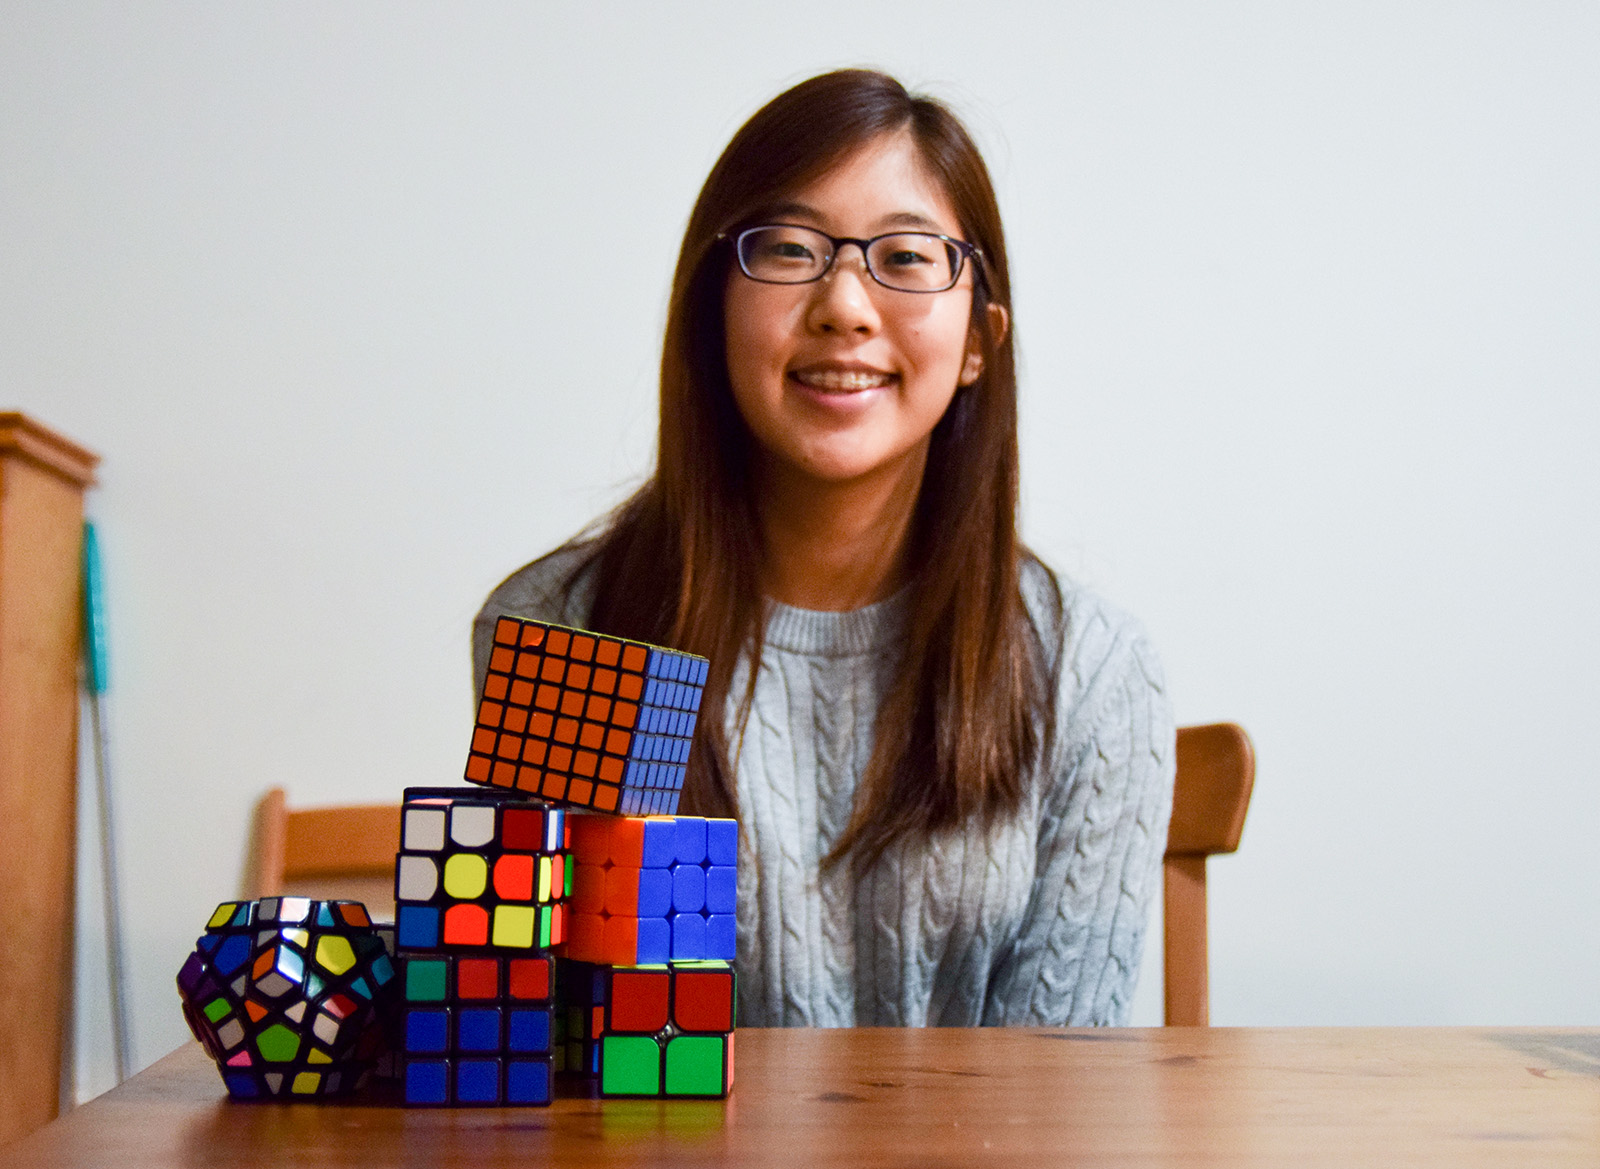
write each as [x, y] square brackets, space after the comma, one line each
[584, 719]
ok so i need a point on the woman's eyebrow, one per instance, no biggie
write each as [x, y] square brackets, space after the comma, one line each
[804, 211]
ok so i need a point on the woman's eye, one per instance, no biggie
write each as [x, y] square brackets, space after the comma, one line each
[906, 258]
[789, 250]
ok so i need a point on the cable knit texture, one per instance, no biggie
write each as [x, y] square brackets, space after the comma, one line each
[1040, 920]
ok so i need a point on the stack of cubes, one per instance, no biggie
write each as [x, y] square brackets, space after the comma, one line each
[601, 725]
[481, 882]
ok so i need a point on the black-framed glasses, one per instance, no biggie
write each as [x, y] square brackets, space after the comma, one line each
[907, 261]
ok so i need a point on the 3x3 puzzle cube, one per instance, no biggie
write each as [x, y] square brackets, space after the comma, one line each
[652, 1030]
[480, 869]
[477, 1030]
[653, 889]
[289, 995]
[480, 887]
[585, 719]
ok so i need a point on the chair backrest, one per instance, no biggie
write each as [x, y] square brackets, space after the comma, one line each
[1216, 770]
[325, 852]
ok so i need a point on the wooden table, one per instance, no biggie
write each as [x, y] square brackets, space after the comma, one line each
[1183, 1096]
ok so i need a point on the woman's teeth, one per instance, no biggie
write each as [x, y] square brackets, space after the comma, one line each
[843, 381]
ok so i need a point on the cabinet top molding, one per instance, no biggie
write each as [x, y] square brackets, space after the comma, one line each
[22, 436]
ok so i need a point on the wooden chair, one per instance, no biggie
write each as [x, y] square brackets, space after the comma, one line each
[345, 852]
[1216, 770]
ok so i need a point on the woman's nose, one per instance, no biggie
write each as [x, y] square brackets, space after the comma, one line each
[842, 301]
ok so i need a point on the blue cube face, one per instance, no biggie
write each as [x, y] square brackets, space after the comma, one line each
[529, 1031]
[478, 1081]
[689, 840]
[659, 844]
[417, 927]
[232, 954]
[688, 936]
[478, 1029]
[427, 1082]
[240, 1085]
[722, 937]
[688, 888]
[655, 941]
[427, 1032]
[655, 892]
[528, 1082]
[722, 842]
[722, 889]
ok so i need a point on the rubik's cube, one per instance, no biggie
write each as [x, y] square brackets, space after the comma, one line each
[653, 889]
[477, 1030]
[584, 719]
[480, 869]
[289, 996]
[480, 887]
[651, 1030]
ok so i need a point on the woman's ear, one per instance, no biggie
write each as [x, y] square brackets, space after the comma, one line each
[972, 367]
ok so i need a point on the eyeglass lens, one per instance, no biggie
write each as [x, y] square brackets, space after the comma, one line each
[911, 261]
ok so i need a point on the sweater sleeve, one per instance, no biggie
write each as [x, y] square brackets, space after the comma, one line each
[1103, 809]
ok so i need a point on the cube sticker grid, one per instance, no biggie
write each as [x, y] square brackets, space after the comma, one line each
[651, 1030]
[653, 889]
[480, 869]
[585, 719]
[289, 996]
[477, 1030]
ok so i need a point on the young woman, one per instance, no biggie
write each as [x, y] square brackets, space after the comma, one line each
[953, 771]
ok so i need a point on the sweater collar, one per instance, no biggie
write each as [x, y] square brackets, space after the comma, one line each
[858, 631]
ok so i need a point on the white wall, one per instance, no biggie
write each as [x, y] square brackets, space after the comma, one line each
[361, 305]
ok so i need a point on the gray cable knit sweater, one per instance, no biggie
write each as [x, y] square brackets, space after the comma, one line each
[1040, 920]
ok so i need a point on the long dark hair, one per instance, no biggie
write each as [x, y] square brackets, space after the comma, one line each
[970, 709]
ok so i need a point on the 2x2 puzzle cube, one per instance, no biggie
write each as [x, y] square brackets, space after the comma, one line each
[585, 719]
[652, 1030]
[653, 889]
[289, 996]
[480, 883]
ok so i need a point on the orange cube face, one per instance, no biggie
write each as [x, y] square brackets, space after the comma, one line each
[605, 721]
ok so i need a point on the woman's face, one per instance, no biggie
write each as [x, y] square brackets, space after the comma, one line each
[842, 378]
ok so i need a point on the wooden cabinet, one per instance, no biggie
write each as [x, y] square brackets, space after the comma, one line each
[42, 480]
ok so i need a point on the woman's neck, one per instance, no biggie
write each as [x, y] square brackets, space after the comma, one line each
[837, 546]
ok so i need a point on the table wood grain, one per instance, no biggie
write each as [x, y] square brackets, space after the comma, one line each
[932, 1098]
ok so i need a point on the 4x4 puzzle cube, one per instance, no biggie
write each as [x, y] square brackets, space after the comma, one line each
[584, 719]
[289, 996]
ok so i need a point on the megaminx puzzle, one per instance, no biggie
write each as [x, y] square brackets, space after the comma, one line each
[288, 995]
[584, 719]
